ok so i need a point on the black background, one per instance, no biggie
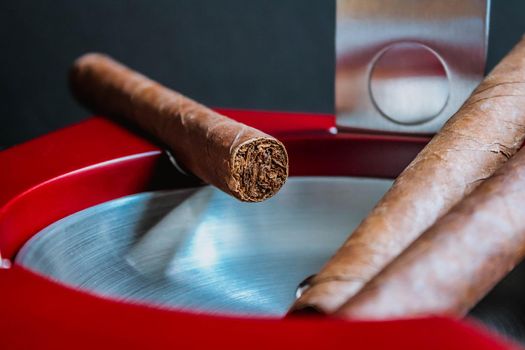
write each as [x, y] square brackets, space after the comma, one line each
[259, 54]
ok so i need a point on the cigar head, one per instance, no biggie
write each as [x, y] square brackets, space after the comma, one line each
[306, 311]
[259, 168]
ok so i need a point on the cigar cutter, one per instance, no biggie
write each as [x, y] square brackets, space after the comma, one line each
[407, 65]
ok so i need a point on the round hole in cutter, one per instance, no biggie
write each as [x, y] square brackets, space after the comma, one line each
[409, 83]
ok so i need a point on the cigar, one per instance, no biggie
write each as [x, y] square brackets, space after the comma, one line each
[458, 260]
[487, 130]
[240, 160]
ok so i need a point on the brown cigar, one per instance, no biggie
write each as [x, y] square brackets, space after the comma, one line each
[487, 130]
[456, 261]
[240, 160]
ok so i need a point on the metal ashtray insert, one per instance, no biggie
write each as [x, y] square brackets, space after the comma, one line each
[199, 249]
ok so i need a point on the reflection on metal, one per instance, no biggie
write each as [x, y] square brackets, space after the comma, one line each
[303, 286]
[407, 65]
[5, 264]
[409, 84]
[153, 252]
[200, 249]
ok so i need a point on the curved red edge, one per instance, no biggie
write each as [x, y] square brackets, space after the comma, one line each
[97, 160]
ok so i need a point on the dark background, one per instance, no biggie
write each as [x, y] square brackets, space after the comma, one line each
[258, 54]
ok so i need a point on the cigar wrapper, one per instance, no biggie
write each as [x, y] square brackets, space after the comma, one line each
[471, 146]
[458, 260]
[238, 159]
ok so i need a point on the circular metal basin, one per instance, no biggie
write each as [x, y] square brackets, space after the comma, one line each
[199, 249]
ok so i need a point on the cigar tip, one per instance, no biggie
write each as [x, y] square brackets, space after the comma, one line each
[259, 169]
[81, 62]
[87, 61]
[305, 311]
[90, 56]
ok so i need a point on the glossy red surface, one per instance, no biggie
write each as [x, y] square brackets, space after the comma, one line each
[97, 160]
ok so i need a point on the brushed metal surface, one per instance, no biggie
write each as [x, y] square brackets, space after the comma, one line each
[201, 250]
[407, 65]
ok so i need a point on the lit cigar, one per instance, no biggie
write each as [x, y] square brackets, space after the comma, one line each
[458, 260]
[487, 130]
[238, 159]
